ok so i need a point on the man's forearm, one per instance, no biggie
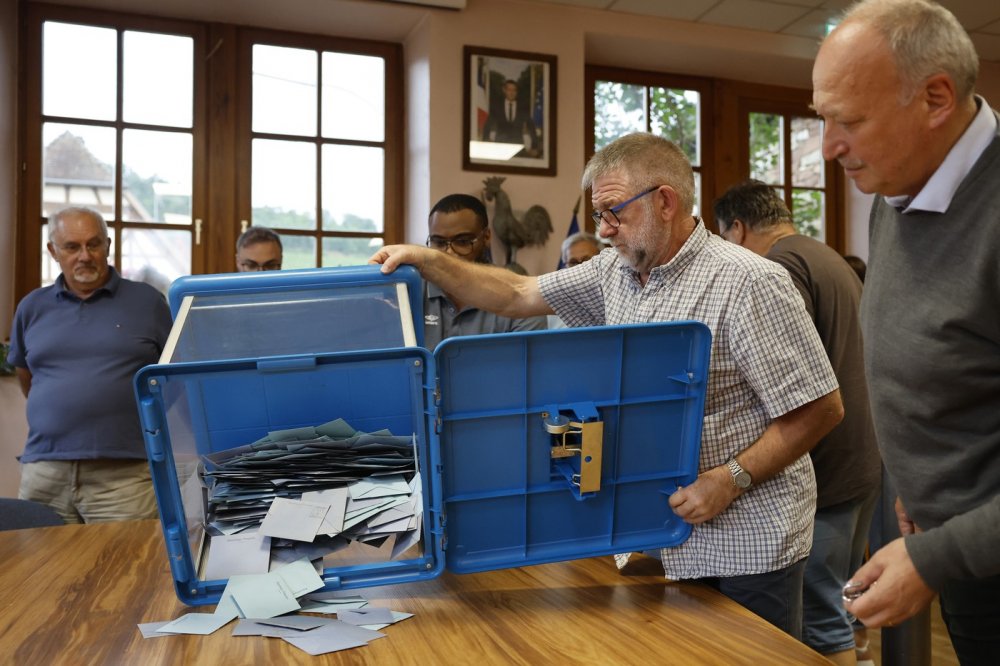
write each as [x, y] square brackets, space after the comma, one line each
[482, 286]
[791, 436]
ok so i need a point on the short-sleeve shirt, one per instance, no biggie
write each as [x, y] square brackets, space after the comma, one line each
[443, 320]
[82, 355]
[766, 360]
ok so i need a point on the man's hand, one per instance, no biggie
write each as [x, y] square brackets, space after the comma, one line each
[906, 526]
[710, 495]
[896, 591]
[393, 256]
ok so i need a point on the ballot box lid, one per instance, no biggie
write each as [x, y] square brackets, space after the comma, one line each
[275, 313]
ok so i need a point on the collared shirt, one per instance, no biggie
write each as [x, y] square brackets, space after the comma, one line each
[82, 355]
[937, 193]
[766, 360]
[443, 320]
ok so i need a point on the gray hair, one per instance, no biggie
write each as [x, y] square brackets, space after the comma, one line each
[754, 203]
[925, 39]
[257, 234]
[579, 237]
[645, 161]
[56, 220]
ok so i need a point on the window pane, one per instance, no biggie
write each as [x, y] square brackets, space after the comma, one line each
[283, 189]
[353, 188]
[619, 109]
[156, 256]
[284, 90]
[158, 83]
[807, 210]
[79, 71]
[78, 168]
[349, 251]
[766, 162]
[156, 176]
[298, 251]
[674, 115]
[807, 152]
[353, 97]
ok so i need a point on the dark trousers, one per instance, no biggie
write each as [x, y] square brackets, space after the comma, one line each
[971, 611]
[775, 596]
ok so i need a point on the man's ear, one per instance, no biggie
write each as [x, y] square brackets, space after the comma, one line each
[668, 198]
[737, 231]
[486, 235]
[940, 98]
[52, 251]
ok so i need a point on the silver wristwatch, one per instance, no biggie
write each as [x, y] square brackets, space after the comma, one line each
[741, 477]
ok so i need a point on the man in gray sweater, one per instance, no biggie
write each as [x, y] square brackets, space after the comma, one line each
[894, 86]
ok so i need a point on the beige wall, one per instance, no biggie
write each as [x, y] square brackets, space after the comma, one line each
[13, 433]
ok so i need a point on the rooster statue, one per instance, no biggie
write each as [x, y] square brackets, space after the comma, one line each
[533, 229]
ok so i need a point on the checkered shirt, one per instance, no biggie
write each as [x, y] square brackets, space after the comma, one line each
[766, 360]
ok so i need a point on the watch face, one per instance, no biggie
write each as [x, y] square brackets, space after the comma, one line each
[742, 480]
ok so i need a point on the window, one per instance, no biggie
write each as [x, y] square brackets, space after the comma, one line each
[670, 106]
[785, 151]
[730, 131]
[181, 134]
[321, 107]
[116, 127]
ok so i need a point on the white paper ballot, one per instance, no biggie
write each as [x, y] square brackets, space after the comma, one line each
[293, 519]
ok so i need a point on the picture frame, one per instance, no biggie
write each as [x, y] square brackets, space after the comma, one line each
[510, 110]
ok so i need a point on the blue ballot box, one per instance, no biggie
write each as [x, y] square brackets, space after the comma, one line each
[530, 447]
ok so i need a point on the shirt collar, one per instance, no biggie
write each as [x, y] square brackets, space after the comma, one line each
[110, 287]
[937, 193]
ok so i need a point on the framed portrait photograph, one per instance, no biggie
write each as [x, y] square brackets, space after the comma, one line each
[510, 111]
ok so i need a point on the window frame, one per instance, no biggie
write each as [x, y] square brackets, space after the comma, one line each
[392, 230]
[726, 105]
[649, 79]
[30, 222]
[221, 181]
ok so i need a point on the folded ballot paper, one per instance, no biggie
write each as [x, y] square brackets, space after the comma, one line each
[308, 492]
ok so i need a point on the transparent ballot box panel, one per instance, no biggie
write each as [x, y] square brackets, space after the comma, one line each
[277, 313]
[293, 418]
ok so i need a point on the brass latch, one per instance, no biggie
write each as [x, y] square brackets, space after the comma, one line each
[577, 438]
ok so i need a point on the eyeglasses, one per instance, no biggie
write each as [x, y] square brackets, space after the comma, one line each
[94, 246]
[249, 265]
[460, 245]
[612, 220]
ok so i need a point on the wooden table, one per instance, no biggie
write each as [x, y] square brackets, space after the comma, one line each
[74, 595]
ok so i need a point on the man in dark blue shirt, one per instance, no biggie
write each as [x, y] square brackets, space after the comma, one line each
[75, 346]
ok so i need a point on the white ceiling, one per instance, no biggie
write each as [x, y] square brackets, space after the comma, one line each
[804, 18]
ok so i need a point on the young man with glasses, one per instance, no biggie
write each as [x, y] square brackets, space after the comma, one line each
[771, 392]
[458, 225]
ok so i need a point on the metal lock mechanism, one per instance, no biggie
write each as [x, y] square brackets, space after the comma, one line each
[577, 444]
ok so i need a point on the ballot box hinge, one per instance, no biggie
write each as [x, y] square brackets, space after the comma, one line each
[577, 444]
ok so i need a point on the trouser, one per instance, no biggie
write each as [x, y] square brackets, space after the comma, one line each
[775, 596]
[91, 491]
[971, 611]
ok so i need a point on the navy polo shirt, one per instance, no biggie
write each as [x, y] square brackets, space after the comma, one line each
[82, 355]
